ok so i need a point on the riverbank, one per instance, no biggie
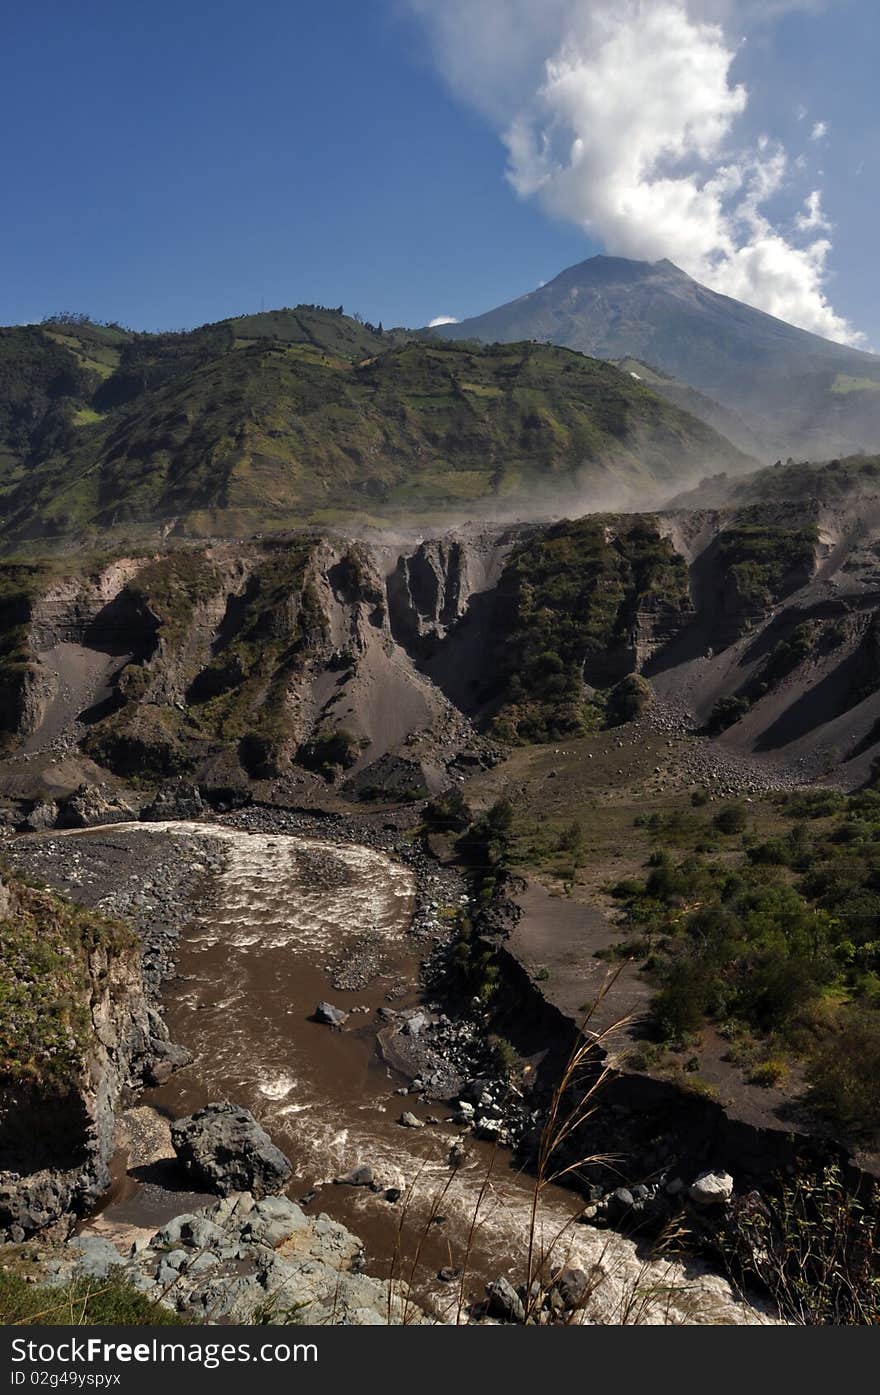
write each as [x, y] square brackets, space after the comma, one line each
[256, 960]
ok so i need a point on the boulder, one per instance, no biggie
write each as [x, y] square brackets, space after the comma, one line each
[504, 1301]
[409, 1121]
[92, 804]
[166, 1058]
[328, 1014]
[573, 1286]
[415, 1024]
[174, 802]
[40, 817]
[95, 1256]
[361, 1176]
[711, 1189]
[274, 1220]
[224, 1148]
[620, 1201]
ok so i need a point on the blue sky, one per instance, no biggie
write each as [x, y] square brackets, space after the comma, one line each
[167, 164]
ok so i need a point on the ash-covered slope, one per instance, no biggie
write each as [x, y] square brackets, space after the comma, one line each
[379, 667]
[793, 391]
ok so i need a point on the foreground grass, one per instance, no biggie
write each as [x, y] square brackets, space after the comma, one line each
[82, 1303]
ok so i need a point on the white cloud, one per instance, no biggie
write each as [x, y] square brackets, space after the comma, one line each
[813, 217]
[620, 115]
[442, 320]
[819, 131]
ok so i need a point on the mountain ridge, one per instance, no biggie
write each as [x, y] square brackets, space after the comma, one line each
[822, 395]
[302, 417]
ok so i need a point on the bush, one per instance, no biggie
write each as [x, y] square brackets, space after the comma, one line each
[448, 812]
[813, 1246]
[773, 1071]
[680, 1008]
[725, 713]
[731, 819]
[814, 804]
[845, 1072]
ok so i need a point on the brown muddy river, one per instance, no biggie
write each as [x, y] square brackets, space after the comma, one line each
[274, 929]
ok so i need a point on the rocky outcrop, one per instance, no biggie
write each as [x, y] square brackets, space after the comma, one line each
[224, 1148]
[57, 1125]
[91, 805]
[428, 592]
[245, 1260]
[56, 1139]
[174, 802]
[657, 625]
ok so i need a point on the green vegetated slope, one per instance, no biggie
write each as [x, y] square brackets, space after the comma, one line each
[305, 416]
[566, 606]
[81, 1303]
[771, 940]
[46, 985]
[68, 374]
[797, 489]
[238, 695]
[760, 562]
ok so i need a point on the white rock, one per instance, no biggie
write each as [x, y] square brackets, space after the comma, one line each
[711, 1189]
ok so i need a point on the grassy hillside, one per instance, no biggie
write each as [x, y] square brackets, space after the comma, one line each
[45, 985]
[796, 489]
[307, 417]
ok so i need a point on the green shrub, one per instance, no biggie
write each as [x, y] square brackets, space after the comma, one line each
[448, 812]
[731, 819]
[844, 1074]
[725, 713]
[813, 1245]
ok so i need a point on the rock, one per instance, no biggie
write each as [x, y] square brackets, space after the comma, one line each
[360, 1176]
[415, 1025]
[409, 1121]
[328, 1014]
[199, 1233]
[94, 1256]
[504, 1301]
[40, 817]
[489, 1129]
[393, 1194]
[91, 805]
[474, 1090]
[223, 1147]
[274, 1220]
[167, 1058]
[711, 1189]
[572, 1285]
[448, 1275]
[174, 802]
